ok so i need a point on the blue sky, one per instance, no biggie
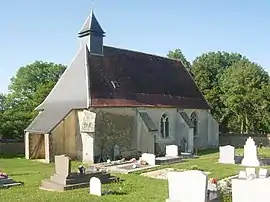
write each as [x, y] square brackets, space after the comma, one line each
[47, 30]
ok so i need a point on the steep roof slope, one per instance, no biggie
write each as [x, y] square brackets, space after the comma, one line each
[128, 78]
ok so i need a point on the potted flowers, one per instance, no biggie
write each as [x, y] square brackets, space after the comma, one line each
[3, 175]
[212, 184]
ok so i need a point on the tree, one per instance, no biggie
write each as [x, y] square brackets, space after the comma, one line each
[178, 55]
[207, 70]
[28, 88]
[2, 108]
[244, 88]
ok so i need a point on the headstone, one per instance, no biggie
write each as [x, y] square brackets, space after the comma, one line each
[250, 154]
[227, 154]
[172, 150]
[150, 159]
[116, 150]
[263, 173]
[62, 165]
[242, 175]
[187, 186]
[250, 190]
[95, 186]
[251, 173]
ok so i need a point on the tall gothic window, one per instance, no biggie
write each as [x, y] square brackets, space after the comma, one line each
[164, 126]
[194, 119]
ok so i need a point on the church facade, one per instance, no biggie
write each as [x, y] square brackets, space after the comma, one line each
[112, 101]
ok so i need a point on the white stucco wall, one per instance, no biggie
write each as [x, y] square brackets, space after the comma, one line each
[207, 130]
[178, 129]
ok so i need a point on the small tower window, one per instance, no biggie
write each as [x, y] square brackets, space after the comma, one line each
[164, 126]
[115, 84]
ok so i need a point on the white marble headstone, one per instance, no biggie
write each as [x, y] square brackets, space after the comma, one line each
[95, 186]
[263, 173]
[227, 154]
[251, 172]
[187, 186]
[242, 175]
[150, 159]
[172, 150]
[250, 190]
[250, 154]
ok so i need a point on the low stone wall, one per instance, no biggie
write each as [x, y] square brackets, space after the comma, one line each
[239, 140]
[8, 147]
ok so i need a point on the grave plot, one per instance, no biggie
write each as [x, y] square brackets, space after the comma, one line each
[172, 156]
[64, 180]
[190, 186]
[250, 157]
[162, 173]
[147, 161]
[7, 182]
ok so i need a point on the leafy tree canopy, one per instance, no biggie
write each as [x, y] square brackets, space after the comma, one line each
[244, 85]
[178, 55]
[28, 88]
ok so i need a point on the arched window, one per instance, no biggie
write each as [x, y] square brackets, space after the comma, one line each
[194, 119]
[164, 126]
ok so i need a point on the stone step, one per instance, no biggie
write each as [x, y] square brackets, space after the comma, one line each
[80, 178]
[50, 185]
[6, 181]
[161, 161]
[54, 186]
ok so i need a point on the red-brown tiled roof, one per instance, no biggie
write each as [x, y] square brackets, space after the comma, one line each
[144, 80]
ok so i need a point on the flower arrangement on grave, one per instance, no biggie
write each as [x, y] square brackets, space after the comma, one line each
[82, 169]
[3, 175]
[213, 184]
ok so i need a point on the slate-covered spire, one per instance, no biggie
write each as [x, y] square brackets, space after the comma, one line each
[92, 35]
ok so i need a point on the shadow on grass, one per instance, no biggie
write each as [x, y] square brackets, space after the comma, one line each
[208, 151]
[12, 156]
[111, 192]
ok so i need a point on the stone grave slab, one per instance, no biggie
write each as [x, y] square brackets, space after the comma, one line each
[8, 182]
[250, 154]
[168, 160]
[183, 185]
[227, 154]
[66, 180]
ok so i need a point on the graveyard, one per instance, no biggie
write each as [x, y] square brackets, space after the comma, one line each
[136, 186]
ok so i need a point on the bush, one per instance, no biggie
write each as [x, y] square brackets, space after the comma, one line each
[226, 197]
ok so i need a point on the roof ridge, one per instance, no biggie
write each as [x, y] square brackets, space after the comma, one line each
[144, 53]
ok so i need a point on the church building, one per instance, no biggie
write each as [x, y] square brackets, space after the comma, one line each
[111, 101]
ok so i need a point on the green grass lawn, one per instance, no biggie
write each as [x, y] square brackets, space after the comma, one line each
[134, 188]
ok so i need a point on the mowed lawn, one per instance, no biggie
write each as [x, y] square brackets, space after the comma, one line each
[133, 188]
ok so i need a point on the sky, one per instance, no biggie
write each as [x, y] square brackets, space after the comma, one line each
[47, 30]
